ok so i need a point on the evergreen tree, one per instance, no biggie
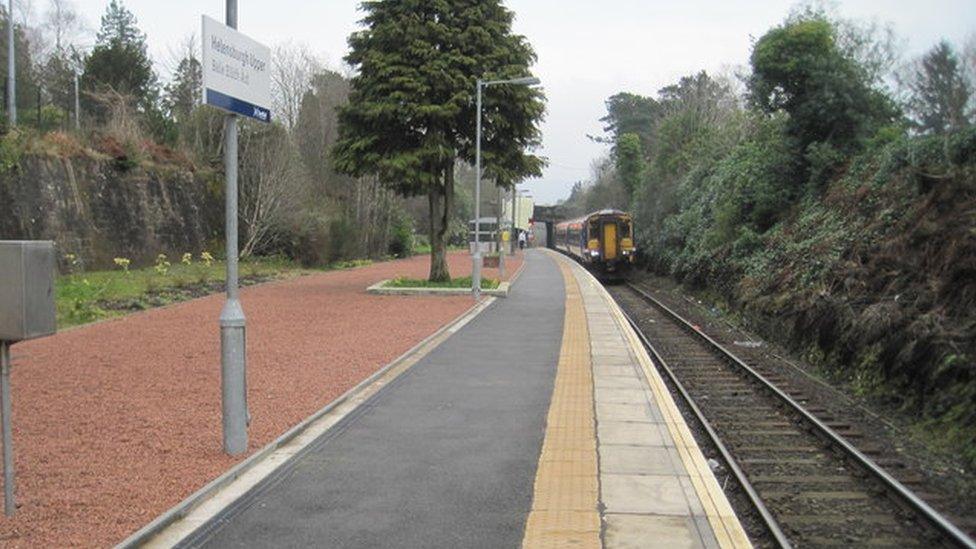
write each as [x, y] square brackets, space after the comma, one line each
[411, 112]
[317, 128]
[940, 92]
[630, 163]
[58, 75]
[184, 92]
[631, 113]
[799, 68]
[119, 61]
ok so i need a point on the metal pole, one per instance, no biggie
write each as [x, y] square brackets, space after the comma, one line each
[11, 78]
[233, 360]
[9, 507]
[514, 199]
[498, 223]
[77, 105]
[476, 256]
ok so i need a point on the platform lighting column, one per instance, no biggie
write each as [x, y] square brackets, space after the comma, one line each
[514, 215]
[476, 255]
[233, 360]
[11, 67]
[501, 243]
[77, 104]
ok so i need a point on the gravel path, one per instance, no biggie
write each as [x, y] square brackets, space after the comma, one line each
[118, 421]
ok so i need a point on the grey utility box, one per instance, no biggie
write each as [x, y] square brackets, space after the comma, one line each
[26, 289]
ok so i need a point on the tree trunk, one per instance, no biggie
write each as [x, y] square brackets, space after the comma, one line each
[439, 221]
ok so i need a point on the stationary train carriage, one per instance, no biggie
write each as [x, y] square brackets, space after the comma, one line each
[603, 241]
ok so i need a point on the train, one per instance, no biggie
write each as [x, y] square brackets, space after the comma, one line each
[603, 241]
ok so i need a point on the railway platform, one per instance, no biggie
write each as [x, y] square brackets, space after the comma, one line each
[537, 420]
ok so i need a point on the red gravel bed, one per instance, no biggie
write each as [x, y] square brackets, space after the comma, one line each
[116, 422]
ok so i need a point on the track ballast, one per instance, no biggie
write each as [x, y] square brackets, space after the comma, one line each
[810, 484]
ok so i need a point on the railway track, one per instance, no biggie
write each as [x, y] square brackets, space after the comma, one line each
[800, 467]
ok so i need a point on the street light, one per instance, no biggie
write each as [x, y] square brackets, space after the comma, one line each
[476, 256]
[11, 66]
[514, 214]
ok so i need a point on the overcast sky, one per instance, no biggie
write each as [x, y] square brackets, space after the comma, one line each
[588, 50]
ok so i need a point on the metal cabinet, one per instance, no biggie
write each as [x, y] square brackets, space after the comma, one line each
[26, 289]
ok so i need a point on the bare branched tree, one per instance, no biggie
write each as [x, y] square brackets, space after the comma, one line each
[63, 24]
[293, 66]
[187, 48]
[272, 184]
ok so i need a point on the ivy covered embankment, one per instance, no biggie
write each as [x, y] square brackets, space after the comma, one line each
[873, 279]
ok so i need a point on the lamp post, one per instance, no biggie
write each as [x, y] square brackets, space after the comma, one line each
[498, 226]
[514, 214]
[11, 65]
[476, 255]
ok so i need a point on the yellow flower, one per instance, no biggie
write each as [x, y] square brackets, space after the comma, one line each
[123, 262]
[162, 264]
[187, 258]
[206, 258]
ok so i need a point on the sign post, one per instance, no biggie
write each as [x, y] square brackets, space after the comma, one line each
[236, 78]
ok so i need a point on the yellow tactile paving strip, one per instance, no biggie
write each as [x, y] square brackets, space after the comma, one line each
[565, 503]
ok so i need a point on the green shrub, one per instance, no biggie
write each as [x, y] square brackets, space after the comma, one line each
[309, 239]
[401, 239]
[344, 237]
[823, 161]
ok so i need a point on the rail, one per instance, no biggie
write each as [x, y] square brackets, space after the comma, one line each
[916, 504]
[774, 528]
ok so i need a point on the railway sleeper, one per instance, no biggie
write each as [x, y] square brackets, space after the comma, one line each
[803, 450]
[820, 495]
[801, 479]
[770, 433]
[715, 378]
[765, 424]
[873, 541]
[781, 461]
[820, 519]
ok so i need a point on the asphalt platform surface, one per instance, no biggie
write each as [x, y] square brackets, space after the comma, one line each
[445, 456]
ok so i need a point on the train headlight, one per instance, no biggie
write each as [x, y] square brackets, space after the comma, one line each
[595, 253]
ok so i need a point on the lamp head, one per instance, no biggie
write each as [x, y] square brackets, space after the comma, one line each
[526, 81]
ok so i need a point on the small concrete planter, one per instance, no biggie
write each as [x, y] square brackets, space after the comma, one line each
[380, 288]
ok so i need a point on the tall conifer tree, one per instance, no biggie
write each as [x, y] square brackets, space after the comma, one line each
[120, 60]
[411, 113]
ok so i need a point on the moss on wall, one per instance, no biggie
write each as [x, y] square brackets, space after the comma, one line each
[96, 209]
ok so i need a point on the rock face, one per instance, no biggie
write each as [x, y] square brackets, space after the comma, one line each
[98, 209]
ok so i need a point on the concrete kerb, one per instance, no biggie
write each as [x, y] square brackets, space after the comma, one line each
[502, 290]
[182, 509]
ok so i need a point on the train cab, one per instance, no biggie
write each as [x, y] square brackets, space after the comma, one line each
[602, 240]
